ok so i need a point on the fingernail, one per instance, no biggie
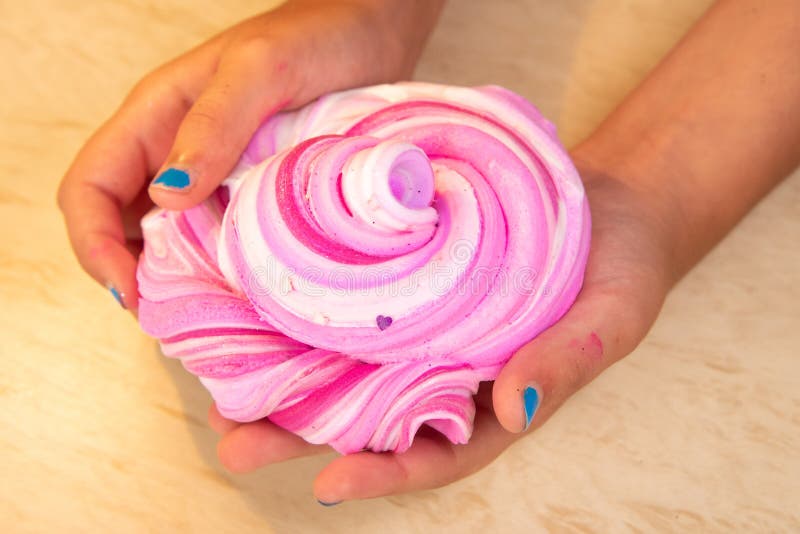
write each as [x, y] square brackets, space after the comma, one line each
[531, 398]
[323, 503]
[173, 178]
[119, 297]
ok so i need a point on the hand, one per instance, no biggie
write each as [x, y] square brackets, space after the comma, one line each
[188, 121]
[627, 277]
[668, 174]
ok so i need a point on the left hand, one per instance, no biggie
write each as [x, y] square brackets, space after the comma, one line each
[192, 117]
[627, 277]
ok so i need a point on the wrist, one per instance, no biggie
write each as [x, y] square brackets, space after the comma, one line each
[712, 128]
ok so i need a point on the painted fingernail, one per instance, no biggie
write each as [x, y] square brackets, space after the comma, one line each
[173, 178]
[323, 503]
[531, 398]
[119, 297]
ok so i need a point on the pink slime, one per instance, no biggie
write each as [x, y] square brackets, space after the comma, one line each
[383, 251]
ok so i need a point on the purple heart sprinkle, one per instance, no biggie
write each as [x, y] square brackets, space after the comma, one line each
[383, 321]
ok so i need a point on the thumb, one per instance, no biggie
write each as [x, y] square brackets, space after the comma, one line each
[245, 90]
[597, 331]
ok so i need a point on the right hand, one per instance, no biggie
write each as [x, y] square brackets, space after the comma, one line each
[193, 116]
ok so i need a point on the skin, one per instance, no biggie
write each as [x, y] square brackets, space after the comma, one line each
[707, 134]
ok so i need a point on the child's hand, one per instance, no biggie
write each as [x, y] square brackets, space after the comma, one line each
[627, 278]
[187, 122]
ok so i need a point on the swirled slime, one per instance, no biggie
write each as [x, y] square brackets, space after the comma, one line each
[372, 258]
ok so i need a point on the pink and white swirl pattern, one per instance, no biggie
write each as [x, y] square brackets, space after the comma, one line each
[373, 257]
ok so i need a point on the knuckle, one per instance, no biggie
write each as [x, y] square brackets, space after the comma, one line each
[144, 87]
[253, 50]
[154, 86]
[203, 116]
[626, 318]
[575, 376]
[631, 324]
[206, 122]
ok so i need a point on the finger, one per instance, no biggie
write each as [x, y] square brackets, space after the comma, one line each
[432, 461]
[599, 329]
[112, 168]
[218, 422]
[248, 86]
[253, 445]
[107, 175]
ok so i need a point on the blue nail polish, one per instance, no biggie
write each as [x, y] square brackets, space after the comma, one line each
[117, 295]
[323, 503]
[173, 178]
[531, 398]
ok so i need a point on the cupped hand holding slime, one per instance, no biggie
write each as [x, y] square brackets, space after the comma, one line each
[372, 258]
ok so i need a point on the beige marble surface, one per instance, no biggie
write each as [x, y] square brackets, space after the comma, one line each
[698, 430]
